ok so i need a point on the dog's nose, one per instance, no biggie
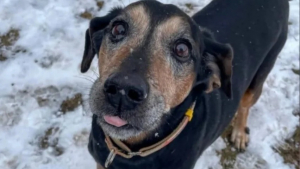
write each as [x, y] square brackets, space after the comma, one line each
[125, 91]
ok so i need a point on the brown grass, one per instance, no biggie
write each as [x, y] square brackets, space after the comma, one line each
[296, 71]
[86, 15]
[100, 4]
[71, 104]
[2, 57]
[190, 6]
[290, 149]
[228, 156]
[49, 140]
[8, 40]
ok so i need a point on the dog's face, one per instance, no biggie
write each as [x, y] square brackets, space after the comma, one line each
[151, 56]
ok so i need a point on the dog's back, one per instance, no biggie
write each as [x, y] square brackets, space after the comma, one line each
[252, 27]
[257, 31]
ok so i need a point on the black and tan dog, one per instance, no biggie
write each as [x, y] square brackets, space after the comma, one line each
[156, 63]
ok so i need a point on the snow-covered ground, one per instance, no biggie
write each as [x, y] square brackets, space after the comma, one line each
[40, 70]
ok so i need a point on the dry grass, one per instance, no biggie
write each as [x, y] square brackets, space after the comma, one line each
[2, 57]
[296, 71]
[8, 40]
[228, 154]
[86, 15]
[71, 104]
[50, 140]
[100, 4]
[290, 149]
[190, 6]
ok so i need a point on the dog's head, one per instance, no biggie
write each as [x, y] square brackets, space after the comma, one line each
[151, 56]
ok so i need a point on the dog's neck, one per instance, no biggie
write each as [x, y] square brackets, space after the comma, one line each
[169, 124]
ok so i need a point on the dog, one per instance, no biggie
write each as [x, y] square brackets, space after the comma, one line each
[170, 84]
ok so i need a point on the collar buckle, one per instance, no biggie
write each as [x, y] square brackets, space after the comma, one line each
[110, 158]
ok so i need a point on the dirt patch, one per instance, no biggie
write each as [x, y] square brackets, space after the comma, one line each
[47, 96]
[100, 4]
[71, 104]
[296, 71]
[2, 57]
[228, 154]
[296, 111]
[42, 101]
[190, 6]
[228, 157]
[9, 38]
[82, 138]
[10, 113]
[10, 118]
[48, 61]
[50, 140]
[45, 140]
[290, 149]
[86, 15]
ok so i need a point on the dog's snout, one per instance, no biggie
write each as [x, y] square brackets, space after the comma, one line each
[125, 91]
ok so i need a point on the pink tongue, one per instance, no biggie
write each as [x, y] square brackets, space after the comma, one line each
[115, 121]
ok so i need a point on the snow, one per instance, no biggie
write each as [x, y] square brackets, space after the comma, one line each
[52, 33]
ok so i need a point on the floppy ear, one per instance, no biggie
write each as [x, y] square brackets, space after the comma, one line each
[92, 43]
[217, 62]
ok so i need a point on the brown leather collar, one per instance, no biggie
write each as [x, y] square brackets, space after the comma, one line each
[123, 150]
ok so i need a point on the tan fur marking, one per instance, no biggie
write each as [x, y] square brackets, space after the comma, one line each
[171, 26]
[174, 89]
[163, 77]
[168, 28]
[111, 59]
[183, 87]
[139, 16]
[247, 100]
[137, 139]
[213, 83]
[239, 137]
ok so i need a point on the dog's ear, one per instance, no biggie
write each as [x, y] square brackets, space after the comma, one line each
[90, 48]
[216, 66]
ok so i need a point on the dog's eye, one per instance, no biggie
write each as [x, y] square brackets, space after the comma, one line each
[182, 50]
[118, 31]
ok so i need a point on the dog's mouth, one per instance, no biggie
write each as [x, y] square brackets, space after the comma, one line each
[115, 121]
[118, 127]
[117, 124]
[121, 123]
[127, 124]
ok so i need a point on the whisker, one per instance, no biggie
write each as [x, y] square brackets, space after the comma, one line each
[89, 77]
[90, 80]
[95, 73]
